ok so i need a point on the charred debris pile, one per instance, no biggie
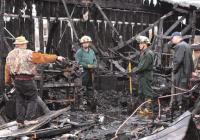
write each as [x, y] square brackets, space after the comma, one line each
[72, 118]
[114, 113]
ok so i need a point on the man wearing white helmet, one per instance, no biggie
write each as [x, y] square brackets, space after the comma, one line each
[85, 57]
[144, 70]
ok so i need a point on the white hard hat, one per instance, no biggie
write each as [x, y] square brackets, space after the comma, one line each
[85, 39]
[143, 39]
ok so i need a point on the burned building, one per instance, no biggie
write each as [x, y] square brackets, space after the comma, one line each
[55, 26]
[125, 20]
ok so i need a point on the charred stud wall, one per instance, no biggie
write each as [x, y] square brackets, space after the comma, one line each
[128, 17]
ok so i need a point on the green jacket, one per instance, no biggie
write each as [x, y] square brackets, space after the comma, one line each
[145, 62]
[84, 58]
[144, 70]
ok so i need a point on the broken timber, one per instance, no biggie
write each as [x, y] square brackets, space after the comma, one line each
[193, 24]
[174, 26]
[70, 20]
[42, 121]
[2, 60]
[186, 29]
[106, 18]
[180, 10]
[147, 29]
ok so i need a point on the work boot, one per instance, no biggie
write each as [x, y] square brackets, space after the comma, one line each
[141, 113]
[91, 105]
[147, 111]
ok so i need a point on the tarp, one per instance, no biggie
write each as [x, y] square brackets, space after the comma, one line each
[181, 129]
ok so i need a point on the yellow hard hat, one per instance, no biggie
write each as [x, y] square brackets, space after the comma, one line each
[85, 39]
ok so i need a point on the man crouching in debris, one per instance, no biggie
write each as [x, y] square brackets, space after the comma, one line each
[183, 65]
[144, 70]
[85, 57]
[21, 67]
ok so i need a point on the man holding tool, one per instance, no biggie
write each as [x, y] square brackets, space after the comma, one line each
[144, 70]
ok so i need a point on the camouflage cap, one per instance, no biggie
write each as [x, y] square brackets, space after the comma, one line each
[143, 39]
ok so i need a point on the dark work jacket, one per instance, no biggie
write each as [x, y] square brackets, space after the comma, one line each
[183, 65]
[144, 70]
[145, 66]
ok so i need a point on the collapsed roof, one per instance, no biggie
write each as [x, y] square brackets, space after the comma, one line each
[184, 3]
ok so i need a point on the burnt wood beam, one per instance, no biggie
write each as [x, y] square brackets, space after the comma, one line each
[106, 3]
[70, 20]
[174, 26]
[47, 118]
[9, 48]
[54, 26]
[41, 35]
[117, 65]
[193, 23]
[30, 26]
[106, 18]
[160, 31]
[144, 31]
[2, 51]
[186, 29]
[158, 43]
[46, 133]
[169, 37]
[180, 10]
[42, 121]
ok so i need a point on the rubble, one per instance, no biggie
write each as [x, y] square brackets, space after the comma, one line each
[118, 113]
[113, 108]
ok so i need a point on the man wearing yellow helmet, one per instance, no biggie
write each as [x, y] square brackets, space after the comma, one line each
[85, 57]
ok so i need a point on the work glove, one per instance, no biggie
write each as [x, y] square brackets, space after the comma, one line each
[90, 66]
[60, 58]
